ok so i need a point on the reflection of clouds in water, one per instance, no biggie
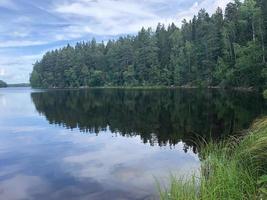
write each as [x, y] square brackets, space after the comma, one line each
[16, 103]
[9, 170]
[2, 100]
[128, 163]
[18, 137]
[94, 167]
[107, 166]
[126, 173]
[22, 129]
[21, 187]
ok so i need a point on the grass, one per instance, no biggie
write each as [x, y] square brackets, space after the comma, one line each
[235, 169]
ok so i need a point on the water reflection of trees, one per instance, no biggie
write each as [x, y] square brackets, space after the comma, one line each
[158, 116]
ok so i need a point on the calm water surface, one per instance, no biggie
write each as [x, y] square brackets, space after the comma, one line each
[109, 144]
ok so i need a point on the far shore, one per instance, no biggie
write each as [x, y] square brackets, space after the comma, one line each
[245, 89]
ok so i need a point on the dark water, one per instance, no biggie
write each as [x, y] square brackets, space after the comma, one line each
[109, 144]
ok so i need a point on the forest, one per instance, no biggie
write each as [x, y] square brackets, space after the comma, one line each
[2, 84]
[225, 49]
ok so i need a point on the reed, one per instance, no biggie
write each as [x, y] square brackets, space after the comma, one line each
[233, 169]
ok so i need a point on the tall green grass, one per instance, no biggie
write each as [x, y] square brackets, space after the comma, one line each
[235, 169]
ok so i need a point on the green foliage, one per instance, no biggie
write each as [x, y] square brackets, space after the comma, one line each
[265, 94]
[263, 186]
[233, 169]
[226, 49]
[180, 189]
[249, 65]
[2, 84]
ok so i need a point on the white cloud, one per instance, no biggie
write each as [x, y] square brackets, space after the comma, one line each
[8, 4]
[209, 5]
[21, 43]
[106, 16]
[115, 17]
[16, 69]
[2, 72]
[20, 34]
[22, 19]
[105, 9]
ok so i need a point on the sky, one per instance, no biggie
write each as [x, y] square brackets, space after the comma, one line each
[29, 28]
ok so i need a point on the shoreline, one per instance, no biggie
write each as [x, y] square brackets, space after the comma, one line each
[232, 169]
[245, 89]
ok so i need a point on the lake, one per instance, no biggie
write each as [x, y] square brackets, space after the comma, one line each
[110, 143]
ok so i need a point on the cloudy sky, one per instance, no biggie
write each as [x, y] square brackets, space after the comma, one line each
[28, 28]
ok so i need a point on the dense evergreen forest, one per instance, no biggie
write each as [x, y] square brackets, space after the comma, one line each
[2, 84]
[224, 49]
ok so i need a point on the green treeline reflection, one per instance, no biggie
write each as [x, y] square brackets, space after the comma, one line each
[159, 116]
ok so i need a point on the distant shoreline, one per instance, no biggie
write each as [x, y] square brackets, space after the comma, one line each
[245, 89]
[19, 85]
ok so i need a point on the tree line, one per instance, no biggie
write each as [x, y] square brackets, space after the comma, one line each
[223, 49]
[2, 84]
